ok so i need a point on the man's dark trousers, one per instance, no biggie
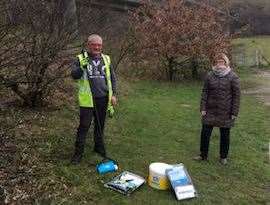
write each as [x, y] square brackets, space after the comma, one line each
[224, 141]
[86, 116]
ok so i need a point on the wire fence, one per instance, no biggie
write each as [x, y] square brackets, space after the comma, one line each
[243, 56]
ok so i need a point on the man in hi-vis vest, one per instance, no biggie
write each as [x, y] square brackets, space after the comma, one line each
[96, 94]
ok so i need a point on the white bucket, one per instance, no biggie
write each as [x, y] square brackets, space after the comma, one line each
[157, 176]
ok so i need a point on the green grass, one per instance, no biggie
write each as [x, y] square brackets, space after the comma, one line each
[158, 122]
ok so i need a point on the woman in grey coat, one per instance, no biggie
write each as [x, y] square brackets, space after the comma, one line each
[220, 103]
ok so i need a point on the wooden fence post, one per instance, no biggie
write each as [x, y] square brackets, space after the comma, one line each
[257, 59]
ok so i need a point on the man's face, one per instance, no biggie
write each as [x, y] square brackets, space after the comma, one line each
[95, 46]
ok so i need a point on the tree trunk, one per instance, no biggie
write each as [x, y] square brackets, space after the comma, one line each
[170, 68]
[34, 100]
[194, 67]
[70, 15]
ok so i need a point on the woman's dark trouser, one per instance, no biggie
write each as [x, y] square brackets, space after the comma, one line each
[86, 116]
[224, 140]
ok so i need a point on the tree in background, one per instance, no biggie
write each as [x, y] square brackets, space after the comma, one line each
[177, 30]
[253, 15]
[247, 17]
[33, 39]
[109, 23]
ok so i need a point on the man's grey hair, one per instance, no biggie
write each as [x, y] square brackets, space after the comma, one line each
[94, 37]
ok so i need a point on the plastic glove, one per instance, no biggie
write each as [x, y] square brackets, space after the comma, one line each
[84, 62]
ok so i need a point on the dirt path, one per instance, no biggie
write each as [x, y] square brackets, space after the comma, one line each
[262, 92]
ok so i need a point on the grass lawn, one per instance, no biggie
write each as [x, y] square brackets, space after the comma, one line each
[155, 122]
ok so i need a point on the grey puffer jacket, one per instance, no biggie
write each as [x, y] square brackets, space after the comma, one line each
[220, 99]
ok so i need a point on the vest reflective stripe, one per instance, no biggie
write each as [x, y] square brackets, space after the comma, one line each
[84, 92]
[107, 62]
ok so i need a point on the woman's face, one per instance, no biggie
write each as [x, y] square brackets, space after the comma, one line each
[220, 63]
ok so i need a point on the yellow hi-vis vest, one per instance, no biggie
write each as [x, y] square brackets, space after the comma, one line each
[84, 92]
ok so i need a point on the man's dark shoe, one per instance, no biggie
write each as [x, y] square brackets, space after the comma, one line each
[76, 159]
[100, 151]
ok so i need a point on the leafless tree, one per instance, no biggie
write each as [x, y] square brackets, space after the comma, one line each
[33, 47]
[111, 24]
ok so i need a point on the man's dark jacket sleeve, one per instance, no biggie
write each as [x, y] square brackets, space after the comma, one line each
[76, 71]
